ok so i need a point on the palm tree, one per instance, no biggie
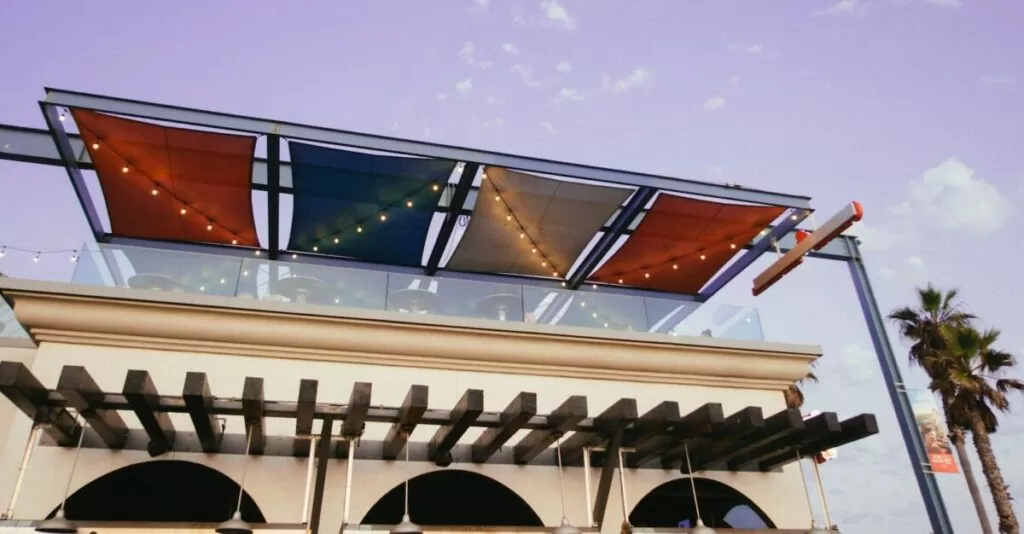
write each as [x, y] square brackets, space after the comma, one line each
[977, 386]
[922, 328]
[794, 395]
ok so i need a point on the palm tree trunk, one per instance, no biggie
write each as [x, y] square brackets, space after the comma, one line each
[956, 437]
[1000, 493]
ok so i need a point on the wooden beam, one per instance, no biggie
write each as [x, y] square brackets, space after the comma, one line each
[252, 412]
[24, 390]
[853, 429]
[198, 402]
[562, 420]
[775, 427]
[657, 421]
[323, 449]
[822, 426]
[465, 413]
[304, 417]
[84, 395]
[142, 396]
[409, 416]
[700, 421]
[737, 424]
[615, 418]
[515, 415]
[604, 483]
[355, 416]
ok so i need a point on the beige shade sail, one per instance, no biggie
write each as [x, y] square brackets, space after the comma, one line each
[529, 225]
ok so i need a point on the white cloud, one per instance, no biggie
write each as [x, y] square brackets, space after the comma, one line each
[466, 53]
[858, 363]
[482, 3]
[879, 238]
[442, 96]
[755, 49]
[464, 86]
[1003, 81]
[526, 73]
[563, 66]
[640, 77]
[567, 94]
[510, 48]
[549, 128]
[945, 3]
[950, 196]
[843, 7]
[556, 13]
[714, 103]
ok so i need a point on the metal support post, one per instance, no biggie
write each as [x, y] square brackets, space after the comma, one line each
[586, 483]
[273, 195]
[309, 479]
[891, 374]
[33, 438]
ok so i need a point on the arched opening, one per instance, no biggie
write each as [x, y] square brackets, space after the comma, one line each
[670, 505]
[161, 491]
[454, 498]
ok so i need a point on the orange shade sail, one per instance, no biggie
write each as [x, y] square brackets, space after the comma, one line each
[682, 242]
[171, 183]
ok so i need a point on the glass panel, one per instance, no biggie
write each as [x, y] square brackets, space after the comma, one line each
[459, 298]
[585, 308]
[312, 284]
[9, 326]
[159, 270]
[680, 318]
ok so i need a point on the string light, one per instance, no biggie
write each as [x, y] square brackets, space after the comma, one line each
[676, 260]
[408, 201]
[511, 216]
[37, 254]
[127, 167]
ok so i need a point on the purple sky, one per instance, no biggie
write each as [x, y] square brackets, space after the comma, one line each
[910, 106]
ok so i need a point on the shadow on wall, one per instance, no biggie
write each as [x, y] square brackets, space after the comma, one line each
[670, 505]
[161, 491]
[454, 498]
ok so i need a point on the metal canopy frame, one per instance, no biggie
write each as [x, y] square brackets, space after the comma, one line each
[29, 145]
[658, 439]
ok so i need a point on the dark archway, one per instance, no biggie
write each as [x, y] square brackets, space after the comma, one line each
[670, 505]
[161, 491]
[454, 498]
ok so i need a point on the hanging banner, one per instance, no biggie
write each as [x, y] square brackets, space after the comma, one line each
[932, 425]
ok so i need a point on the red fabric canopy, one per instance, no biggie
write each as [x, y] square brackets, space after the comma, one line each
[150, 174]
[682, 242]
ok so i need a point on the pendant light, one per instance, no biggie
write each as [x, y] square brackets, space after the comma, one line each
[406, 526]
[815, 529]
[699, 528]
[565, 527]
[236, 525]
[59, 524]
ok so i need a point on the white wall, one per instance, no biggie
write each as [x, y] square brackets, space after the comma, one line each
[277, 484]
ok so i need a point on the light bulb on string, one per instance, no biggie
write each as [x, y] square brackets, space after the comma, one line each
[35, 259]
[62, 117]
[209, 227]
[408, 203]
[3, 251]
[74, 256]
[336, 240]
[359, 229]
[703, 257]
[154, 192]
[234, 241]
[383, 217]
[124, 170]
[183, 211]
[95, 146]
[316, 248]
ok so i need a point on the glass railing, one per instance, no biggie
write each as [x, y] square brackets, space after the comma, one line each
[9, 326]
[256, 278]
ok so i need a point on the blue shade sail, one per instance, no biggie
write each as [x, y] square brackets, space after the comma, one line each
[341, 197]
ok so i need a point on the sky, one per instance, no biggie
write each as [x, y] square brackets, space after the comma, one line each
[909, 106]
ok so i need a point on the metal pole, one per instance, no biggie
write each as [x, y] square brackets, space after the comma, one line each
[586, 483]
[821, 493]
[348, 480]
[33, 437]
[936, 509]
[622, 488]
[309, 479]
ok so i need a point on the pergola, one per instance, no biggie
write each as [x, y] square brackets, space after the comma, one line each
[176, 187]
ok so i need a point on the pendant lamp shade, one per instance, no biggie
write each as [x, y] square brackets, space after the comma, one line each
[57, 525]
[565, 528]
[406, 527]
[701, 528]
[235, 525]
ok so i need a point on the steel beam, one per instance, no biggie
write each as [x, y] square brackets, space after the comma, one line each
[273, 195]
[791, 219]
[239, 123]
[893, 380]
[459, 196]
[626, 215]
[67, 155]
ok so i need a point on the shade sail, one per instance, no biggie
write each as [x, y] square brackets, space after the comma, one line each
[516, 213]
[682, 242]
[341, 195]
[150, 174]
